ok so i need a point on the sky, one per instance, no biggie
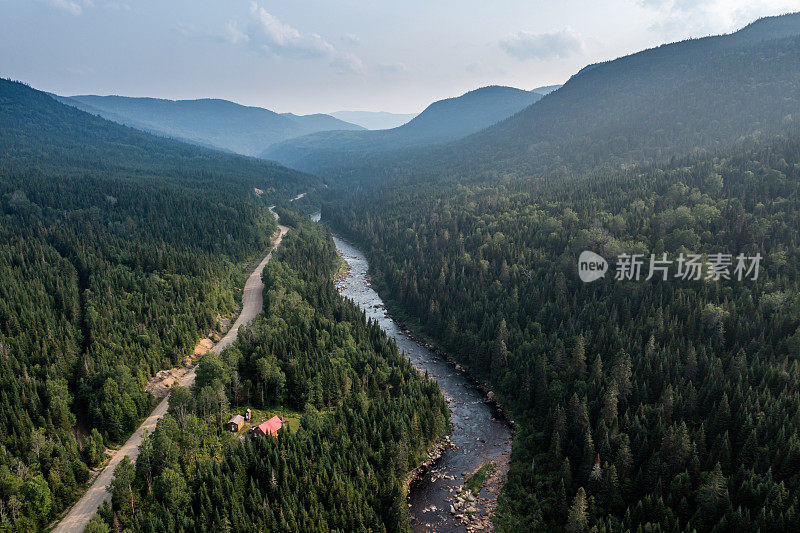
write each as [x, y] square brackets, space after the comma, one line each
[320, 56]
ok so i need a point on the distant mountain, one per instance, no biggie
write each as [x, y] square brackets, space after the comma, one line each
[209, 122]
[547, 89]
[697, 95]
[442, 121]
[465, 114]
[322, 122]
[374, 120]
[38, 131]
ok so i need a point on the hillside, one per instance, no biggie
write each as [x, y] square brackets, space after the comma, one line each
[641, 403]
[366, 416]
[547, 89]
[699, 95]
[375, 120]
[211, 122]
[321, 122]
[118, 251]
[694, 95]
[442, 121]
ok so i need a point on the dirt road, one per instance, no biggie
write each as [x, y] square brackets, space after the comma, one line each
[86, 507]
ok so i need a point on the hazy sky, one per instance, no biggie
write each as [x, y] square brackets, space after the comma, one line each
[310, 56]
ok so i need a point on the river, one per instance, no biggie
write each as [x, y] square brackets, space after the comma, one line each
[480, 434]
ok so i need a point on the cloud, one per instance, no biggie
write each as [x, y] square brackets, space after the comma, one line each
[117, 6]
[345, 62]
[234, 34]
[273, 36]
[73, 7]
[349, 38]
[391, 68]
[268, 35]
[186, 29]
[557, 44]
[682, 18]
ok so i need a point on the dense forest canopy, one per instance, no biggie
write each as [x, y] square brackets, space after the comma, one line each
[118, 250]
[687, 390]
[640, 405]
[643, 405]
[368, 417]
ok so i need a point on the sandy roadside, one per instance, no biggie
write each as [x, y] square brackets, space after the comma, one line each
[252, 301]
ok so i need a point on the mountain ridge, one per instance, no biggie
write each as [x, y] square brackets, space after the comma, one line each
[374, 120]
[441, 121]
[210, 122]
[672, 100]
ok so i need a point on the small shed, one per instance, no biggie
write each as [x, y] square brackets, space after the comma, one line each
[235, 423]
[270, 427]
[248, 414]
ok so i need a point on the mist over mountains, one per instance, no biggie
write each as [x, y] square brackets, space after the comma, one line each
[675, 99]
[128, 227]
[374, 120]
[442, 121]
[211, 122]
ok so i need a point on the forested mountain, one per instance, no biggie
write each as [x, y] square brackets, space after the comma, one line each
[118, 250]
[646, 405]
[321, 122]
[218, 123]
[693, 96]
[367, 419]
[375, 120]
[441, 121]
[639, 405]
[686, 392]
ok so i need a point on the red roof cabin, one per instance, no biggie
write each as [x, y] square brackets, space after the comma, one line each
[270, 427]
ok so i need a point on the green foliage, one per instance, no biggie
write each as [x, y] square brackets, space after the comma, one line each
[686, 390]
[368, 418]
[476, 480]
[118, 250]
[96, 525]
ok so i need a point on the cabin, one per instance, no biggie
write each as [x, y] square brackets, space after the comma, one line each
[235, 423]
[270, 427]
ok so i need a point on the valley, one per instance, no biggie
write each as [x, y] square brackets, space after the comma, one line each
[480, 434]
[565, 296]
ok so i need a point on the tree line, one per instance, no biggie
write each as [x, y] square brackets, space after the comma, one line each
[652, 405]
[368, 417]
[118, 251]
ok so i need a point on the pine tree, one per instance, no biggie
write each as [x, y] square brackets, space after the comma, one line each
[578, 520]
[579, 357]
